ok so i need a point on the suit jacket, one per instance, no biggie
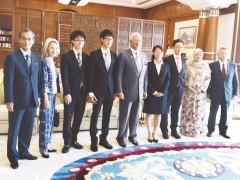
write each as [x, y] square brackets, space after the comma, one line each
[158, 82]
[101, 80]
[176, 81]
[21, 86]
[129, 81]
[74, 77]
[218, 86]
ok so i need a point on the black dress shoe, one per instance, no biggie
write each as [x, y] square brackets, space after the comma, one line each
[133, 141]
[52, 150]
[209, 134]
[28, 157]
[176, 135]
[225, 136]
[65, 149]
[121, 143]
[94, 147]
[76, 145]
[14, 165]
[155, 140]
[150, 140]
[45, 154]
[105, 144]
[165, 136]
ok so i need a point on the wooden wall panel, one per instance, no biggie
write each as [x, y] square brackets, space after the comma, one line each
[50, 24]
[35, 24]
[170, 12]
[92, 26]
[20, 23]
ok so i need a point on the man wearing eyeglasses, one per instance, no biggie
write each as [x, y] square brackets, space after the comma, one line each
[21, 86]
[73, 72]
[101, 88]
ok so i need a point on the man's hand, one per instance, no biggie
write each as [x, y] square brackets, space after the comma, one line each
[92, 99]
[67, 99]
[120, 95]
[10, 106]
[158, 94]
[145, 95]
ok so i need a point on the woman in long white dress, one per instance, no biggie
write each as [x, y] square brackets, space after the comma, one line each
[197, 78]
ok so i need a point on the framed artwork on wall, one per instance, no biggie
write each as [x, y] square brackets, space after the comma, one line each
[188, 35]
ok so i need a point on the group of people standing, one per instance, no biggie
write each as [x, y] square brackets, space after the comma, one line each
[100, 78]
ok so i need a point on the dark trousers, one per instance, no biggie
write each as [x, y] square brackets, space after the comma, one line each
[174, 101]
[223, 124]
[73, 110]
[21, 122]
[107, 102]
[128, 117]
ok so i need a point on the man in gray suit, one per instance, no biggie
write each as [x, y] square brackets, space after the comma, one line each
[223, 88]
[131, 89]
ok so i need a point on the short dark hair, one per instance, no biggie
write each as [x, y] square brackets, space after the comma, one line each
[154, 49]
[25, 31]
[175, 41]
[106, 32]
[77, 33]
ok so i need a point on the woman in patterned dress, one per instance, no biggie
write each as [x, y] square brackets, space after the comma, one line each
[197, 78]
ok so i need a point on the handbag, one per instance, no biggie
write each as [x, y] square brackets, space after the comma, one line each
[56, 118]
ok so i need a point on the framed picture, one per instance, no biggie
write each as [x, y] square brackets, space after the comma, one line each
[189, 36]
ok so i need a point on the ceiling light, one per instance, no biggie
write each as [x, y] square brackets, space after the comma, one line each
[134, 1]
[74, 2]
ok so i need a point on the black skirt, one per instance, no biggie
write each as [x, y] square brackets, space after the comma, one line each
[155, 105]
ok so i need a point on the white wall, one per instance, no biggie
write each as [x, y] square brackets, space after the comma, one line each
[225, 31]
[224, 35]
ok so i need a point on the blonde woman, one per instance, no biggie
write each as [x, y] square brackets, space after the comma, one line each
[49, 90]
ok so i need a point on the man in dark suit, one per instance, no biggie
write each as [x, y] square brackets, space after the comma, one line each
[131, 88]
[74, 80]
[176, 88]
[101, 88]
[222, 89]
[21, 86]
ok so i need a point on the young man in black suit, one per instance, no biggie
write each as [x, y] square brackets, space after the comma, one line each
[101, 88]
[175, 91]
[74, 80]
[21, 93]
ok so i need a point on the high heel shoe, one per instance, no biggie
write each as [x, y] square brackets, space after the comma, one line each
[154, 140]
[150, 139]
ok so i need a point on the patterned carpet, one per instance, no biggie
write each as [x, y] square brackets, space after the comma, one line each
[172, 161]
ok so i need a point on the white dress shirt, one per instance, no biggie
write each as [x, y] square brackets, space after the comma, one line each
[178, 61]
[158, 66]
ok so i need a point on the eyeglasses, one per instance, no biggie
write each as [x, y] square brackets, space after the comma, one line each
[26, 39]
[82, 40]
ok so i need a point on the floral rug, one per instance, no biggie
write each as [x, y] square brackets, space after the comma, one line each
[172, 161]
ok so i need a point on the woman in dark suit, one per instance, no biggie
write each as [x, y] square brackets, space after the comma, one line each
[158, 82]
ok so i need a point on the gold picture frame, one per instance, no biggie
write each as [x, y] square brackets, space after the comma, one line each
[189, 36]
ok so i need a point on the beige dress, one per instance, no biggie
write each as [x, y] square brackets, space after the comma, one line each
[198, 75]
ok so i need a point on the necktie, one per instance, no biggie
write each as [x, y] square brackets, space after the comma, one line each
[107, 60]
[79, 58]
[138, 62]
[28, 59]
[224, 72]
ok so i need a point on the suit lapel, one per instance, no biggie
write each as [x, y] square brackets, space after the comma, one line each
[131, 59]
[101, 60]
[228, 69]
[112, 59]
[23, 61]
[75, 61]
